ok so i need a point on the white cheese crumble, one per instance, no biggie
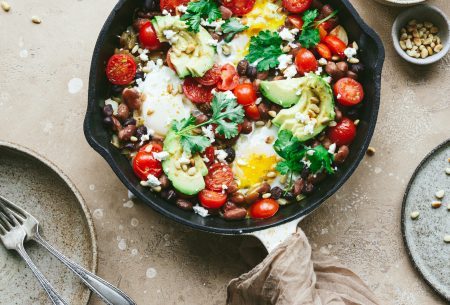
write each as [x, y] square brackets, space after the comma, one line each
[221, 155]
[217, 25]
[290, 71]
[285, 60]
[213, 42]
[288, 35]
[338, 96]
[171, 36]
[350, 52]
[182, 8]
[309, 128]
[258, 100]
[200, 210]
[143, 56]
[322, 61]
[306, 162]
[165, 12]
[205, 159]
[224, 188]
[209, 133]
[301, 117]
[298, 92]
[184, 160]
[327, 79]
[311, 152]
[113, 104]
[319, 71]
[332, 148]
[161, 156]
[229, 94]
[152, 181]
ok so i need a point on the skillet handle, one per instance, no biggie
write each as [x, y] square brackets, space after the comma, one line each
[273, 237]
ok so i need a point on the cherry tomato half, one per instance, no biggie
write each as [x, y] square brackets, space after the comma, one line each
[296, 21]
[322, 32]
[348, 91]
[323, 51]
[148, 38]
[196, 92]
[211, 77]
[305, 61]
[121, 69]
[209, 154]
[145, 164]
[336, 45]
[212, 200]
[219, 174]
[252, 112]
[264, 208]
[343, 133]
[171, 5]
[229, 78]
[239, 7]
[297, 6]
[245, 94]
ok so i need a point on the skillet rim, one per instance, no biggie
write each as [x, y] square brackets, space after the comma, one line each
[103, 151]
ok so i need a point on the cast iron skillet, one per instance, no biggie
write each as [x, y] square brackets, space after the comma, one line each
[371, 55]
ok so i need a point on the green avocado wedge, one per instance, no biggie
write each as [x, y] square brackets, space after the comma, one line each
[181, 180]
[313, 110]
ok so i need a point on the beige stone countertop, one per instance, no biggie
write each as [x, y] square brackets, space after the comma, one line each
[158, 261]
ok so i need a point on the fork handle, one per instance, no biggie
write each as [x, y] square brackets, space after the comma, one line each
[53, 295]
[110, 294]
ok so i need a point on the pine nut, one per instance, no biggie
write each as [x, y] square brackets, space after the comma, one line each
[447, 170]
[353, 60]
[438, 48]
[260, 123]
[36, 20]
[440, 194]
[272, 113]
[157, 188]
[436, 204]
[184, 167]
[271, 175]
[414, 215]
[266, 195]
[192, 171]
[5, 6]
[447, 238]
[370, 151]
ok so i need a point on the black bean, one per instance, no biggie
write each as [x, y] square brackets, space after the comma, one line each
[242, 67]
[108, 110]
[107, 121]
[251, 72]
[139, 75]
[129, 121]
[289, 196]
[276, 192]
[231, 154]
[129, 146]
[151, 5]
[357, 68]
[308, 188]
[116, 90]
[169, 195]
[305, 172]
[141, 130]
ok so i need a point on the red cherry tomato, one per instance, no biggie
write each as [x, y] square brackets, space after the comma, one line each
[296, 21]
[348, 91]
[196, 92]
[322, 32]
[145, 164]
[264, 208]
[239, 7]
[170, 5]
[212, 200]
[336, 45]
[297, 6]
[211, 77]
[219, 174]
[305, 61]
[121, 69]
[148, 38]
[209, 154]
[229, 78]
[245, 94]
[330, 24]
[323, 51]
[252, 112]
[343, 133]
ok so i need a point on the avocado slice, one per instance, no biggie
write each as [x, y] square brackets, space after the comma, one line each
[191, 53]
[282, 92]
[313, 111]
[181, 180]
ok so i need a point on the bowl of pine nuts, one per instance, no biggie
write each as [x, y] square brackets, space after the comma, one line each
[421, 34]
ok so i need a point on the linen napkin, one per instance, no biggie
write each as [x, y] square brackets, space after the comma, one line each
[292, 275]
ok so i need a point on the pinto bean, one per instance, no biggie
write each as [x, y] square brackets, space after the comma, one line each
[298, 186]
[352, 74]
[226, 12]
[201, 118]
[184, 204]
[132, 98]
[247, 127]
[342, 66]
[242, 67]
[126, 133]
[228, 206]
[316, 178]
[326, 142]
[333, 71]
[263, 111]
[235, 214]
[255, 191]
[116, 125]
[237, 197]
[341, 155]
[262, 75]
[123, 112]
[164, 181]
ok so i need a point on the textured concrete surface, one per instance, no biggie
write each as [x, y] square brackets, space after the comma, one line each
[159, 262]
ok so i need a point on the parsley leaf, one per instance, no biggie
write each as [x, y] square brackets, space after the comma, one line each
[231, 27]
[265, 49]
[196, 10]
[179, 125]
[320, 159]
[310, 35]
[193, 144]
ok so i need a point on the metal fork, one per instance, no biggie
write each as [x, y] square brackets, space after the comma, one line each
[13, 235]
[108, 293]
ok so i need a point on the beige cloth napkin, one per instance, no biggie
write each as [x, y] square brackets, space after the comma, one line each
[292, 275]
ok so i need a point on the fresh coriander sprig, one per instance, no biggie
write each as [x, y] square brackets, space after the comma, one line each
[227, 114]
[265, 49]
[196, 10]
[231, 27]
[310, 35]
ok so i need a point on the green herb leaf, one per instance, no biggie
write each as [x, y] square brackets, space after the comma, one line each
[193, 144]
[227, 114]
[283, 167]
[310, 36]
[196, 10]
[231, 27]
[179, 125]
[265, 48]
[320, 159]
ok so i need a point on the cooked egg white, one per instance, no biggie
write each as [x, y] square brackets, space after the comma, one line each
[164, 102]
[255, 157]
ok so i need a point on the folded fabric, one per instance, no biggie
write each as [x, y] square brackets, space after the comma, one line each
[291, 275]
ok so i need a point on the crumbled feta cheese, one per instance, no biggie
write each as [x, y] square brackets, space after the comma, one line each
[213, 42]
[205, 159]
[200, 210]
[221, 155]
[306, 162]
[332, 148]
[113, 104]
[338, 96]
[290, 71]
[319, 71]
[224, 188]
[285, 60]
[258, 100]
[184, 160]
[171, 36]
[152, 181]
[350, 52]
[322, 61]
[182, 8]
[301, 117]
[327, 79]
[229, 95]
[309, 127]
[298, 92]
[217, 25]
[159, 62]
[311, 152]
[161, 156]
[165, 12]
[209, 133]
[241, 162]
[288, 35]
[143, 56]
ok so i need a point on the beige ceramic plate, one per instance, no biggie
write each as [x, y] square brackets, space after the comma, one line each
[39, 187]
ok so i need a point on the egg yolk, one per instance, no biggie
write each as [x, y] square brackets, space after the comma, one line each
[254, 169]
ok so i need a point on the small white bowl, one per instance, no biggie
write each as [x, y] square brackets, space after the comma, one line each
[400, 2]
[423, 13]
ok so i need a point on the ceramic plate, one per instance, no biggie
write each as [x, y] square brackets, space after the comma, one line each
[40, 188]
[424, 237]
